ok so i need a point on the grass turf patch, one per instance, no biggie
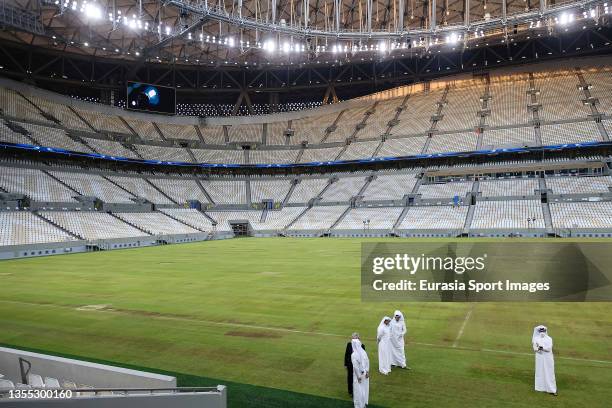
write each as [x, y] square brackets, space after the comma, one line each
[276, 313]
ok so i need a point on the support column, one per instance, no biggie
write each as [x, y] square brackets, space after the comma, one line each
[432, 14]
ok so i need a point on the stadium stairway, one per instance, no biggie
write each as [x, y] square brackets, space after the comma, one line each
[300, 154]
[296, 218]
[208, 197]
[199, 134]
[72, 234]
[294, 183]
[18, 129]
[400, 218]
[78, 115]
[147, 233]
[44, 114]
[330, 129]
[191, 155]
[61, 182]
[470, 214]
[340, 218]
[159, 132]
[248, 191]
[159, 190]
[182, 222]
[127, 125]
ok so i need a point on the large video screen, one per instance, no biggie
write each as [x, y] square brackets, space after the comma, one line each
[151, 98]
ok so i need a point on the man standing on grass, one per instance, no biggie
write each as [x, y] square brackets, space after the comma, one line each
[398, 330]
[361, 374]
[348, 363]
[544, 361]
[383, 337]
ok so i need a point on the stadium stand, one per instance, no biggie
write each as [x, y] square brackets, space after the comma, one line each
[434, 218]
[156, 223]
[318, 218]
[23, 228]
[519, 214]
[92, 225]
[509, 194]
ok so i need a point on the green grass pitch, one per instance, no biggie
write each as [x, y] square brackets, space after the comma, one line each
[271, 318]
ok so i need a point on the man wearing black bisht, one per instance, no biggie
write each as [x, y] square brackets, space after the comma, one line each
[348, 364]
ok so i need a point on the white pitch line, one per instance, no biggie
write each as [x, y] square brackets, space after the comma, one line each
[295, 331]
[462, 328]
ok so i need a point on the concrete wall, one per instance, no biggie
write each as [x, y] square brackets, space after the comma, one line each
[81, 372]
[53, 248]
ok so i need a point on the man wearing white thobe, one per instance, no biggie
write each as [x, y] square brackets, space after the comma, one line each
[361, 375]
[398, 330]
[383, 338]
[544, 361]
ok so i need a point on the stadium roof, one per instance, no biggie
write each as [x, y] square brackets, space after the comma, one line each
[279, 32]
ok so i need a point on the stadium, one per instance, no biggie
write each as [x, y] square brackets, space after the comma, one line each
[191, 192]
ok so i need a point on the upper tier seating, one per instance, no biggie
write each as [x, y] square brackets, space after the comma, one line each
[601, 88]
[213, 134]
[245, 133]
[275, 133]
[408, 146]
[570, 133]
[171, 154]
[16, 106]
[508, 138]
[144, 129]
[508, 103]
[359, 150]
[186, 132]
[110, 148]
[462, 106]
[311, 155]
[102, 122]
[416, 117]
[272, 156]
[22, 228]
[7, 135]
[455, 142]
[219, 156]
[378, 122]
[560, 98]
[312, 128]
[48, 136]
[346, 125]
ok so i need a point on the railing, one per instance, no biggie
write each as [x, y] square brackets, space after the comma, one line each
[94, 392]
